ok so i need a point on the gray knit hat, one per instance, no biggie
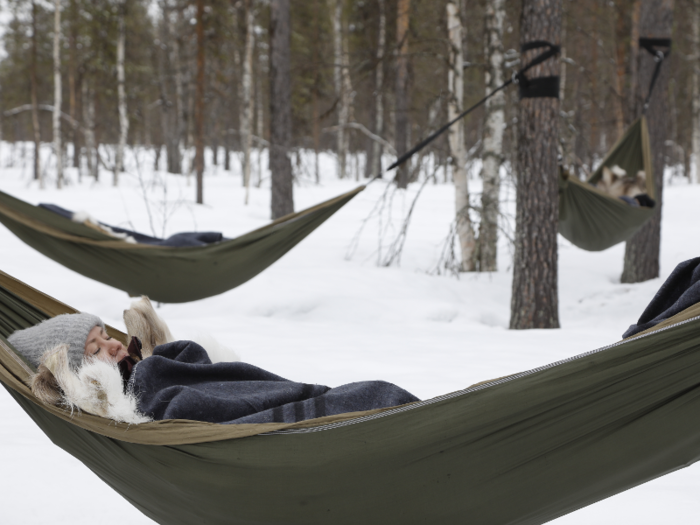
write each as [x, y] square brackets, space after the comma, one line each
[71, 329]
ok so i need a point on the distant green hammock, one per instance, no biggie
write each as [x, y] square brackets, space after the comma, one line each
[593, 220]
[524, 449]
[165, 274]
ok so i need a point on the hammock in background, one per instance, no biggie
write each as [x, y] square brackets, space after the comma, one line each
[165, 274]
[523, 449]
[590, 218]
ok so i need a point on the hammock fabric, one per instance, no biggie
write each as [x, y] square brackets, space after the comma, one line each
[523, 449]
[165, 274]
[593, 220]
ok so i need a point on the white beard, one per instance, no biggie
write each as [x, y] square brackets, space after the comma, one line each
[95, 388]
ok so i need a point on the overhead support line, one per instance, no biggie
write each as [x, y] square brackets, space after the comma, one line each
[527, 86]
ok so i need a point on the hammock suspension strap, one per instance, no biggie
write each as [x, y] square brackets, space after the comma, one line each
[652, 46]
[518, 77]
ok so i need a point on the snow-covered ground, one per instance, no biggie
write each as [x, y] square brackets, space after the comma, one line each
[319, 316]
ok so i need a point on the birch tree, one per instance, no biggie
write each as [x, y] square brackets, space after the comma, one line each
[493, 136]
[534, 300]
[401, 93]
[696, 91]
[72, 81]
[342, 84]
[58, 148]
[247, 98]
[88, 103]
[455, 86]
[35, 103]
[121, 93]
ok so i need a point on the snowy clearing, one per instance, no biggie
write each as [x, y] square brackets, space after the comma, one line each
[317, 316]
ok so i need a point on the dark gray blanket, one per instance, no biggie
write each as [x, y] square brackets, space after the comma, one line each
[179, 382]
[681, 290]
[179, 240]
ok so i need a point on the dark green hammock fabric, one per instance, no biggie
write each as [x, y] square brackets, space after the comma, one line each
[524, 449]
[165, 274]
[594, 220]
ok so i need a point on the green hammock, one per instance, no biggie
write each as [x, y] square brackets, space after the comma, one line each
[165, 274]
[590, 218]
[523, 449]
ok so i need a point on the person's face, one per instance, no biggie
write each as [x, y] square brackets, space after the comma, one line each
[101, 346]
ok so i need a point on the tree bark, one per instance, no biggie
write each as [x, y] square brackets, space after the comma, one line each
[35, 104]
[57, 94]
[696, 92]
[88, 97]
[182, 115]
[534, 302]
[374, 164]
[493, 137]
[199, 105]
[340, 83]
[455, 87]
[247, 98]
[72, 82]
[121, 93]
[642, 249]
[259, 114]
[170, 113]
[634, 58]
[315, 92]
[282, 201]
[401, 95]
[620, 63]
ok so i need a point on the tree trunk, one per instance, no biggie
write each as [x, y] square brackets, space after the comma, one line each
[336, 10]
[634, 58]
[696, 92]
[247, 99]
[282, 201]
[346, 112]
[89, 126]
[315, 91]
[401, 103]
[57, 93]
[534, 302]
[199, 105]
[121, 93]
[35, 106]
[374, 160]
[620, 63]
[182, 115]
[259, 117]
[455, 86]
[493, 137]
[170, 120]
[642, 249]
[72, 87]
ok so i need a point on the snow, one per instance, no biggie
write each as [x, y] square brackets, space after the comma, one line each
[319, 316]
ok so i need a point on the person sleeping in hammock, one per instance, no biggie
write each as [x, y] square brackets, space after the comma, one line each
[79, 366]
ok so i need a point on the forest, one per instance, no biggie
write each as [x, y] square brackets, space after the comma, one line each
[363, 80]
